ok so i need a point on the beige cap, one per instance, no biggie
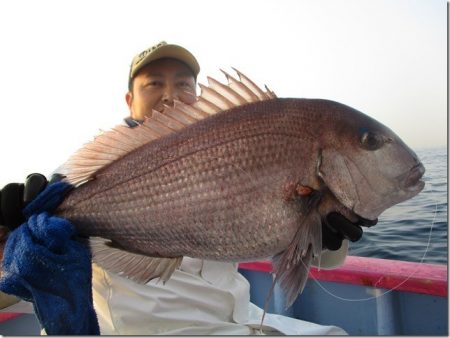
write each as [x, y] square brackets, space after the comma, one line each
[163, 50]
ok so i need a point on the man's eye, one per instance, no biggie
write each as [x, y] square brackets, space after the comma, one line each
[153, 84]
[184, 84]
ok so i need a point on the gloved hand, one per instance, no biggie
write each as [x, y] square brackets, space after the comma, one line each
[45, 263]
[15, 196]
[336, 228]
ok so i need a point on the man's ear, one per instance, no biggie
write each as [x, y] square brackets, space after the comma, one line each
[129, 99]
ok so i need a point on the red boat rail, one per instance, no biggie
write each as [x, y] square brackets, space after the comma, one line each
[4, 316]
[422, 278]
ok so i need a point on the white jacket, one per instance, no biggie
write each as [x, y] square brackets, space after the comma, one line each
[201, 298]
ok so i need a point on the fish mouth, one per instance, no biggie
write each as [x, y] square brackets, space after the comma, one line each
[412, 182]
[408, 185]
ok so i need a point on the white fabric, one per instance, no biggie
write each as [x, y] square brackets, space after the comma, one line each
[201, 298]
[332, 259]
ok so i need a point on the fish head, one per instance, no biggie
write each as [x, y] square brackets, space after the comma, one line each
[365, 164]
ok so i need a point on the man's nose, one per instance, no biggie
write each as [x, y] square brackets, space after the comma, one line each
[169, 95]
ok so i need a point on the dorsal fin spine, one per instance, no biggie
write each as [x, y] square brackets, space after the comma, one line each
[118, 147]
[168, 121]
[112, 138]
[251, 85]
[179, 115]
[206, 106]
[219, 100]
[270, 93]
[241, 88]
[192, 111]
[226, 91]
[157, 126]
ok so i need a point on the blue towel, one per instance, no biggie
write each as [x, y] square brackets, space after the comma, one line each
[45, 263]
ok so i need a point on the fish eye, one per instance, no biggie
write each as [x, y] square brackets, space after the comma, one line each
[371, 140]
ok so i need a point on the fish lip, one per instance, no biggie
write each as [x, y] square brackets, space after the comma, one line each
[412, 182]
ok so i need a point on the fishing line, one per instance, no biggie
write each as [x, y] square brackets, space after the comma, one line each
[395, 287]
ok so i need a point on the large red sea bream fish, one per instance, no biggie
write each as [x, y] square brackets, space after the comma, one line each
[240, 175]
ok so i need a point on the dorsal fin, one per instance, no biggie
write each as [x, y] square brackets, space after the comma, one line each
[111, 145]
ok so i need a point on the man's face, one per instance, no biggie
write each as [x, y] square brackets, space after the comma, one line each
[158, 83]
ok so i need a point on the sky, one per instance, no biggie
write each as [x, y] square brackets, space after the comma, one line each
[64, 64]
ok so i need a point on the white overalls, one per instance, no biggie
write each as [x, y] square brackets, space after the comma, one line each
[201, 298]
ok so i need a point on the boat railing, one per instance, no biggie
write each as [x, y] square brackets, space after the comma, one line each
[364, 296]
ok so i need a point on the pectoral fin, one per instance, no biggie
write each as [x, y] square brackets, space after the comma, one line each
[291, 267]
[134, 266]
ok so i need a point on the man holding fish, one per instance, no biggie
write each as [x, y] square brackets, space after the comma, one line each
[202, 296]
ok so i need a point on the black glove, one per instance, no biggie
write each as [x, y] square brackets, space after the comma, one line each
[336, 228]
[15, 196]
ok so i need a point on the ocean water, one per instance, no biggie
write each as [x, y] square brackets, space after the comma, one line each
[414, 230]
